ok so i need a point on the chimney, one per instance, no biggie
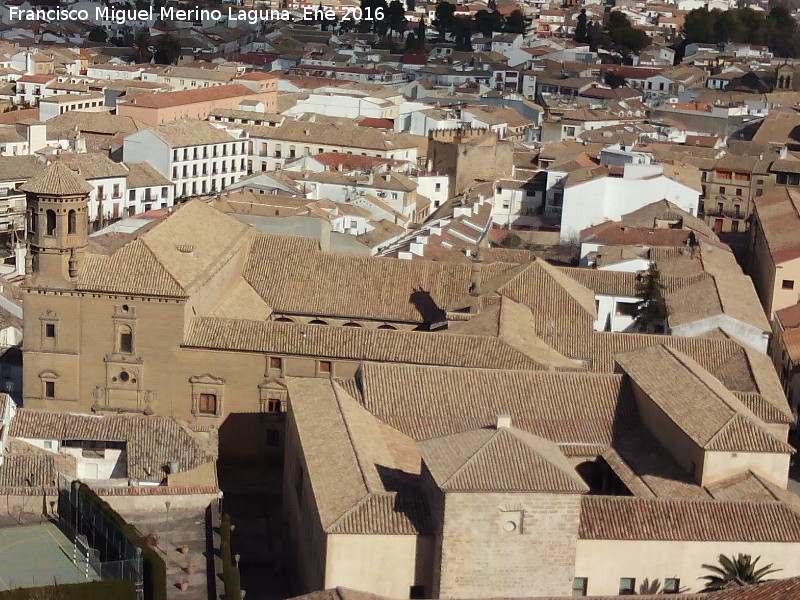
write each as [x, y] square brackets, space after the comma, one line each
[503, 422]
[174, 466]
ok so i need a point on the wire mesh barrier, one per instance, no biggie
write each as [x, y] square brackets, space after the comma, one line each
[101, 546]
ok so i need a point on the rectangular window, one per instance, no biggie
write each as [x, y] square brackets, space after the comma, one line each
[579, 585]
[722, 190]
[787, 284]
[50, 389]
[116, 190]
[627, 586]
[273, 404]
[100, 191]
[207, 404]
[275, 362]
[50, 330]
[324, 366]
[416, 591]
[126, 342]
[672, 585]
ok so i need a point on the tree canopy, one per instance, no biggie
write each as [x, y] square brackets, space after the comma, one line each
[777, 30]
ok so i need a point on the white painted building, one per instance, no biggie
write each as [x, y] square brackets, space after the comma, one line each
[147, 189]
[602, 197]
[109, 180]
[349, 107]
[615, 313]
[59, 104]
[197, 157]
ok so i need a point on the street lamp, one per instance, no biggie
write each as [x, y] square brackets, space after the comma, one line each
[168, 504]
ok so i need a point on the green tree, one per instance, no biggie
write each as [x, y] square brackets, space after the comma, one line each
[594, 35]
[516, 22]
[735, 572]
[141, 46]
[488, 22]
[166, 49]
[615, 80]
[396, 16]
[445, 15]
[581, 31]
[623, 38]
[652, 309]
[698, 27]
[463, 28]
[728, 27]
[98, 35]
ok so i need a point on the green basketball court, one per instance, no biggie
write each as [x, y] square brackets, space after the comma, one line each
[39, 555]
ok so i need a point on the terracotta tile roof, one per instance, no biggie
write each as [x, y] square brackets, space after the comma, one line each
[172, 258]
[92, 165]
[565, 309]
[151, 442]
[20, 168]
[29, 470]
[167, 99]
[161, 490]
[625, 518]
[131, 269]
[426, 402]
[499, 460]
[778, 214]
[514, 324]
[791, 342]
[57, 180]
[191, 132]
[355, 343]
[144, 175]
[782, 589]
[701, 407]
[350, 286]
[388, 513]
[745, 487]
[337, 132]
[351, 460]
[761, 408]
[789, 317]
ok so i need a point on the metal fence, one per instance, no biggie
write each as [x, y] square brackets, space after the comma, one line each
[100, 547]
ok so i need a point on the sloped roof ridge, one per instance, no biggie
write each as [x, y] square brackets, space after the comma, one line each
[337, 391]
[150, 252]
[471, 457]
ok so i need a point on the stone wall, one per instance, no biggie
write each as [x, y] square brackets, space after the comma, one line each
[508, 544]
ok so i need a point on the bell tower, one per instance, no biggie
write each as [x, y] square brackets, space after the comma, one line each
[58, 222]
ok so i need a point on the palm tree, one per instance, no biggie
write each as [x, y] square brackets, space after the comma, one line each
[141, 44]
[736, 572]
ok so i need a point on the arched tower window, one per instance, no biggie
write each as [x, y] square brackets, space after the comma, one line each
[72, 222]
[51, 222]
